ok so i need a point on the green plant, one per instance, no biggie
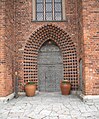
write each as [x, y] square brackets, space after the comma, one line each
[31, 83]
[65, 81]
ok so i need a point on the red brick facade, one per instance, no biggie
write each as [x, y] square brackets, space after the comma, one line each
[91, 46]
[7, 42]
[21, 39]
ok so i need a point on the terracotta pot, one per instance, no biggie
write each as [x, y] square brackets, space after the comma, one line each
[30, 89]
[65, 88]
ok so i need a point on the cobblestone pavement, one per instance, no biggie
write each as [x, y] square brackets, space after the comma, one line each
[49, 106]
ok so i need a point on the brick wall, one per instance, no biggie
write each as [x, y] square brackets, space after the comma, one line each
[6, 46]
[90, 13]
[2, 33]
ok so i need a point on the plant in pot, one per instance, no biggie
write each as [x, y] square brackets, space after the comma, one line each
[30, 88]
[65, 87]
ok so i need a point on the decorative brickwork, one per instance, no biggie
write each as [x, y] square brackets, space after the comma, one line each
[66, 45]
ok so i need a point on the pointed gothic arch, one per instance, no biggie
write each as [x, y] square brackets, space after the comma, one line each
[63, 41]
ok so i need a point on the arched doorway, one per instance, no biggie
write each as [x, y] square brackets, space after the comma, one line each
[68, 50]
[50, 67]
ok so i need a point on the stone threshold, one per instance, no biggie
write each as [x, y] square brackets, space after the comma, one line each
[84, 98]
[37, 92]
[23, 93]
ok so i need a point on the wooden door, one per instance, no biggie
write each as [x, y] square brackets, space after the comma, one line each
[50, 68]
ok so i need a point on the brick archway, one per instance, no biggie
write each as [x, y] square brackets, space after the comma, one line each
[66, 45]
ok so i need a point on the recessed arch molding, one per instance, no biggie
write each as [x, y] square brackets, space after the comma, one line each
[63, 41]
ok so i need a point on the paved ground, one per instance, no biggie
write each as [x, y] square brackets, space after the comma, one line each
[49, 106]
